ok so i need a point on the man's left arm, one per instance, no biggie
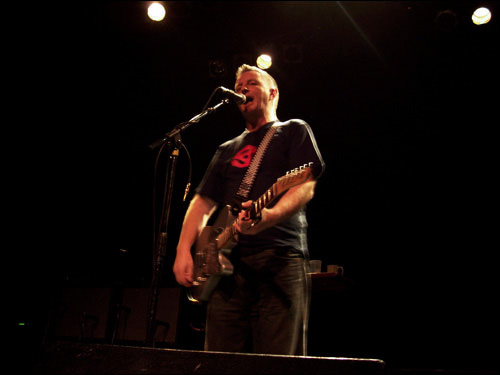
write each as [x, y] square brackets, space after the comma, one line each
[291, 202]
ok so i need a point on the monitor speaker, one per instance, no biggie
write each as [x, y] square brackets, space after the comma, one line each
[82, 313]
[133, 314]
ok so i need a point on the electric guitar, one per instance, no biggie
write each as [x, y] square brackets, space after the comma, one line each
[214, 244]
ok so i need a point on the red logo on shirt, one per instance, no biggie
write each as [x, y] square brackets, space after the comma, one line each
[243, 158]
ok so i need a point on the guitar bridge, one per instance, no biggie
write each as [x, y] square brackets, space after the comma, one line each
[199, 280]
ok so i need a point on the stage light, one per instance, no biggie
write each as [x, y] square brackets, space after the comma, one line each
[446, 20]
[264, 61]
[481, 16]
[156, 12]
[217, 68]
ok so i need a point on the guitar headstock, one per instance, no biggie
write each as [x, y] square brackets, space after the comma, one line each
[296, 176]
[291, 179]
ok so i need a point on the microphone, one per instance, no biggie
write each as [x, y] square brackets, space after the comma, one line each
[237, 98]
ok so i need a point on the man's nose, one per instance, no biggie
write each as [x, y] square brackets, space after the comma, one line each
[244, 91]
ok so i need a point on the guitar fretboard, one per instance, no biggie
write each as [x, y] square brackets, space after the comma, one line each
[264, 200]
[230, 231]
[284, 183]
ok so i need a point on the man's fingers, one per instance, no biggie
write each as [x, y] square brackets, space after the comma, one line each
[246, 204]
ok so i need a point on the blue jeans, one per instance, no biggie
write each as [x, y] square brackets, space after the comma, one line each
[263, 307]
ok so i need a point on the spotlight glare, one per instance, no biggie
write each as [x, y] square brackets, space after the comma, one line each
[481, 16]
[156, 12]
[264, 61]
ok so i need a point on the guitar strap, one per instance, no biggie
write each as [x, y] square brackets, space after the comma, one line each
[249, 178]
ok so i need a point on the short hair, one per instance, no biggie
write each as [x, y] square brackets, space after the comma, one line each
[246, 68]
[270, 80]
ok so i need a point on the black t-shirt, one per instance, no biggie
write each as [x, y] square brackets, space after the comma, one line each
[293, 145]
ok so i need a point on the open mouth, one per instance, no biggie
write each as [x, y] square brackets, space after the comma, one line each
[249, 99]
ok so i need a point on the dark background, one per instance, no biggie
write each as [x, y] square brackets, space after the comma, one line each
[401, 99]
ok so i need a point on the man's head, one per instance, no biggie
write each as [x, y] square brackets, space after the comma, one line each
[261, 91]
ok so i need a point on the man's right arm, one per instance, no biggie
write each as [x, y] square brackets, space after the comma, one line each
[199, 211]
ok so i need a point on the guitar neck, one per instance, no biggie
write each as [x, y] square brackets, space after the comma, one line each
[284, 183]
[264, 200]
[258, 205]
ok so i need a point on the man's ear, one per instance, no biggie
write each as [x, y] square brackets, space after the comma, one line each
[272, 93]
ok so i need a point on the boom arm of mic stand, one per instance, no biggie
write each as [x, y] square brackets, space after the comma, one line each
[184, 125]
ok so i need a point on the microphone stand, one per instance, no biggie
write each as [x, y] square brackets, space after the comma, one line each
[172, 138]
[184, 125]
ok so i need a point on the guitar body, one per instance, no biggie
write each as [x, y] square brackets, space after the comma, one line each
[210, 262]
[214, 245]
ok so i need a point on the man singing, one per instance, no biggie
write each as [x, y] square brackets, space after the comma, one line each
[263, 306]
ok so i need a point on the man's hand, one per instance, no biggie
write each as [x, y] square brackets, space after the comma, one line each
[292, 201]
[246, 225]
[183, 268]
[196, 218]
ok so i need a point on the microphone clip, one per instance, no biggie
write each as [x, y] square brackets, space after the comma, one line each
[234, 96]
